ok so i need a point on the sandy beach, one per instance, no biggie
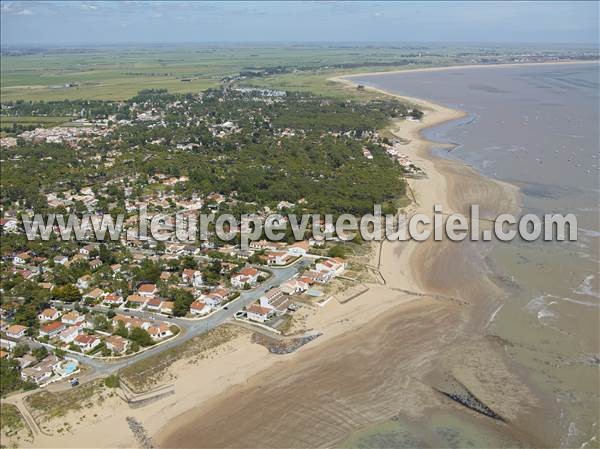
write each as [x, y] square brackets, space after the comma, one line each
[391, 361]
[386, 352]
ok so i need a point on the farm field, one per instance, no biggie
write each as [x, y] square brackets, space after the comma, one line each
[118, 73]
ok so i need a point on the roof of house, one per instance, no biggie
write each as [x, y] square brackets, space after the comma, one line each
[71, 316]
[197, 305]
[272, 293]
[49, 313]
[302, 244]
[258, 310]
[154, 302]
[147, 288]
[50, 327]
[95, 293]
[113, 297]
[85, 339]
[248, 271]
[15, 329]
[136, 298]
[157, 329]
[116, 340]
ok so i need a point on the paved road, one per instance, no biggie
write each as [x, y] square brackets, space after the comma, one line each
[192, 328]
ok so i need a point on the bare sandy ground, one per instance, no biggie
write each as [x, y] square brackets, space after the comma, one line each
[380, 353]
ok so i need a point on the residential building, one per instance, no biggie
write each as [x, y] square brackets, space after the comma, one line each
[159, 330]
[87, 342]
[247, 275]
[83, 283]
[51, 329]
[255, 312]
[199, 308]
[116, 344]
[192, 277]
[16, 331]
[68, 335]
[147, 290]
[299, 248]
[113, 299]
[49, 315]
[73, 318]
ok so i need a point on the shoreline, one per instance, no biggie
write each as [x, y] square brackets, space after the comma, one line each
[403, 265]
[459, 67]
[240, 370]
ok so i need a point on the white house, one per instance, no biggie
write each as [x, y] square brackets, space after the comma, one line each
[87, 342]
[68, 335]
[113, 299]
[293, 286]
[270, 296]
[153, 304]
[334, 265]
[49, 315]
[16, 331]
[73, 318]
[299, 248]
[61, 260]
[86, 250]
[117, 344]
[199, 308]
[159, 330]
[21, 259]
[83, 283]
[147, 290]
[255, 312]
[247, 275]
[192, 277]
[278, 258]
[51, 329]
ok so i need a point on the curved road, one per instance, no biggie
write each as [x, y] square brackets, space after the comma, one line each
[192, 328]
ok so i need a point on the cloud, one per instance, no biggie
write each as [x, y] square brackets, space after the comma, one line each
[15, 9]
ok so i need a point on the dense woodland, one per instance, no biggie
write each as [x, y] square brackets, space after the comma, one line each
[320, 161]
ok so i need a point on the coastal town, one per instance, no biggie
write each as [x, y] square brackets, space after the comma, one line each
[72, 308]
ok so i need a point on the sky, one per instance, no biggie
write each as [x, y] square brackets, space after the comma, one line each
[77, 23]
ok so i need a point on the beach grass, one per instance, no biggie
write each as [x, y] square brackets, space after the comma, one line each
[146, 374]
[46, 404]
[11, 421]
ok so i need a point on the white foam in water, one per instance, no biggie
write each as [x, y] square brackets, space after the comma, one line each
[589, 232]
[586, 288]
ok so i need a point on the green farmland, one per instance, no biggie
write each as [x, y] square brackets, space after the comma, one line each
[119, 73]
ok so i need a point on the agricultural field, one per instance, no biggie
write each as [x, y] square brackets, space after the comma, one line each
[119, 73]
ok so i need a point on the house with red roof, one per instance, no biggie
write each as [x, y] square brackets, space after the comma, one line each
[247, 275]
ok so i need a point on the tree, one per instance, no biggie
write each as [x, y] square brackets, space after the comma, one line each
[40, 353]
[141, 337]
[20, 350]
[67, 293]
[101, 323]
[337, 251]
[182, 300]
[121, 330]
[148, 272]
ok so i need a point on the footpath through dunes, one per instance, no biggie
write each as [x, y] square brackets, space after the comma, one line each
[395, 363]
